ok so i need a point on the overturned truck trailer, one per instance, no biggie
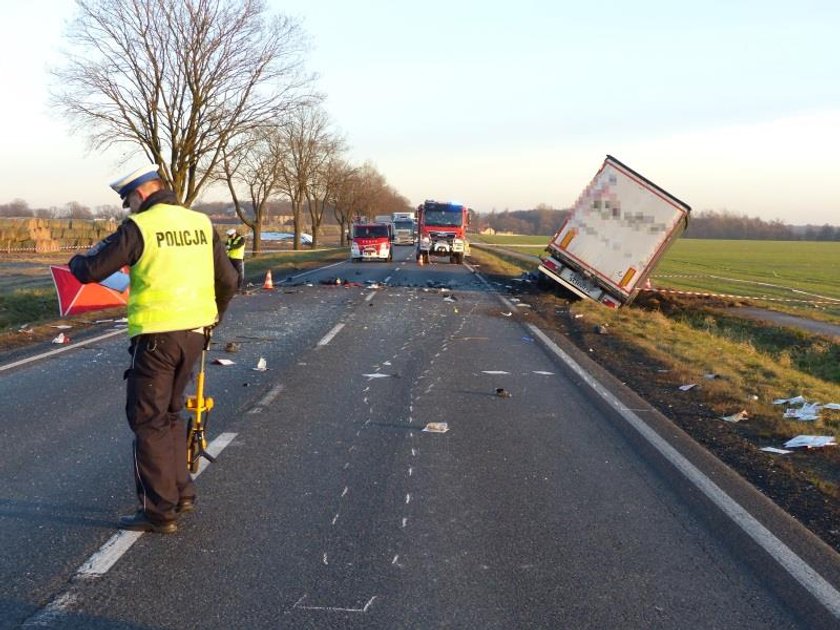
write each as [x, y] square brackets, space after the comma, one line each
[615, 235]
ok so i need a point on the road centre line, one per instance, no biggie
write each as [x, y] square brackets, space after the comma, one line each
[329, 336]
[50, 353]
[106, 556]
[796, 567]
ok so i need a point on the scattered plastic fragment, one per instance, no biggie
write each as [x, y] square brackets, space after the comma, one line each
[805, 413]
[224, 362]
[834, 406]
[796, 400]
[736, 417]
[811, 441]
[436, 427]
[508, 314]
[687, 387]
[501, 392]
[773, 449]
[261, 365]
[61, 338]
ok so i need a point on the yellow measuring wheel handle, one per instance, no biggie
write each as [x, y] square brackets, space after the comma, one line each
[193, 404]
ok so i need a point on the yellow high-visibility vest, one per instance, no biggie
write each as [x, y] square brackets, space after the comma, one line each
[172, 285]
[235, 246]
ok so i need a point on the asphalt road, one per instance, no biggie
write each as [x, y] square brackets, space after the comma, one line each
[331, 507]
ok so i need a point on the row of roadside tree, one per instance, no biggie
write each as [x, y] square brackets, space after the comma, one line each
[217, 95]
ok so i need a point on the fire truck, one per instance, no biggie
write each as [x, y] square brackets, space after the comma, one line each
[370, 241]
[442, 231]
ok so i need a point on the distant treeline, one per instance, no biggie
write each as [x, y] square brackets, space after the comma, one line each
[704, 224]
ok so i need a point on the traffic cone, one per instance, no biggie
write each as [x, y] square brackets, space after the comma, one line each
[268, 284]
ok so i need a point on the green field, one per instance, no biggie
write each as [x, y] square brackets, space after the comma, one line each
[782, 269]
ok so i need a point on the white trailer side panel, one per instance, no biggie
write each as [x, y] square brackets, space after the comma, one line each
[619, 227]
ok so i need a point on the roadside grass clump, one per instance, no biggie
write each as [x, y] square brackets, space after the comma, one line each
[790, 348]
[27, 306]
[749, 374]
[498, 263]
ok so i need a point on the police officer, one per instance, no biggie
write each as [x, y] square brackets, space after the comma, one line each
[181, 283]
[235, 247]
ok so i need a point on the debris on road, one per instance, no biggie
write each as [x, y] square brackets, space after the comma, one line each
[61, 338]
[262, 365]
[436, 427]
[225, 362]
[688, 386]
[508, 314]
[501, 392]
[232, 346]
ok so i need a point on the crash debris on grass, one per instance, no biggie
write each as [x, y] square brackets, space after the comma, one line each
[802, 410]
[811, 441]
[736, 417]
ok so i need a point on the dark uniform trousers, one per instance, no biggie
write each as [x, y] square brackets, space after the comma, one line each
[161, 367]
[239, 265]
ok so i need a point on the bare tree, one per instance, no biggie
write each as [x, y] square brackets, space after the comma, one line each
[110, 211]
[255, 168]
[183, 80]
[346, 196]
[75, 210]
[303, 139]
[16, 208]
[322, 182]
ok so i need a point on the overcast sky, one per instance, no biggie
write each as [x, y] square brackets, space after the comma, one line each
[728, 105]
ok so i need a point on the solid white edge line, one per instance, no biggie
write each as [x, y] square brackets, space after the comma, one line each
[800, 570]
[73, 346]
[329, 336]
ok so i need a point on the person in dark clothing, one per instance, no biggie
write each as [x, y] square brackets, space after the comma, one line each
[181, 284]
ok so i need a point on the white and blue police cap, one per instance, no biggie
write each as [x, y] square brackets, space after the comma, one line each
[125, 185]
